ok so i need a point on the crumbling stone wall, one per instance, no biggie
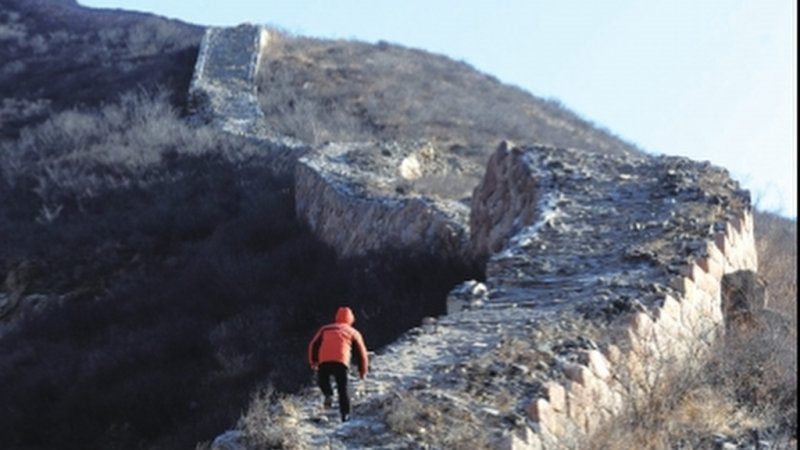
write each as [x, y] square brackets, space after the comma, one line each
[635, 245]
[223, 91]
[639, 245]
[506, 201]
[350, 196]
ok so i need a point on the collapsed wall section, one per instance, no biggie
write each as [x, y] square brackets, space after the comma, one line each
[351, 196]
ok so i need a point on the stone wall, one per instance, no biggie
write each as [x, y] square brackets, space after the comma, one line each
[639, 246]
[672, 334]
[506, 201]
[632, 247]
[223, 91]
[223, 88]
[354, 205]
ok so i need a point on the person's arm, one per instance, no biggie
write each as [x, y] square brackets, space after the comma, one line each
[313, 350]
[363, 359]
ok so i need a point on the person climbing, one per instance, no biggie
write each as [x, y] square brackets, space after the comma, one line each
[329, 355]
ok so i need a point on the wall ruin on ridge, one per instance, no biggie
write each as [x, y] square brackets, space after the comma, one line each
[635, 246]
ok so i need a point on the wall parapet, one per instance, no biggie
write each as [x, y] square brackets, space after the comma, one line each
[636, 245]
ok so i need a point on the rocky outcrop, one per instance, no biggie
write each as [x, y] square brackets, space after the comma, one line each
[358, 198]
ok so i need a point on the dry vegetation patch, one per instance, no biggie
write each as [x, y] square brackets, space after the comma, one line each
[172, 256]
[320, 90]
[438, 421]
[745, 392]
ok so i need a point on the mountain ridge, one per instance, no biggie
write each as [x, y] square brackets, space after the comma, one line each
[162, 249]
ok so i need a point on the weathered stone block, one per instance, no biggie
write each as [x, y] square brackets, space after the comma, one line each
[737, 224]
[540, 411]
[556, 395]
[705, 280]
[642, 325]
[722, 243]
[731, 234]
[714, 268]
[613, 354]
[690, 311]
[665, 333]
[578, 373]
[578, 404]
[670, 308]
[527, 440]
[598, 364]
[684, 285]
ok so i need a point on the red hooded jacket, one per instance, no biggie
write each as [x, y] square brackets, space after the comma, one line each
[333, 343]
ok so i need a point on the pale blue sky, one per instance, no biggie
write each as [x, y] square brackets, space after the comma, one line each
[709, 79]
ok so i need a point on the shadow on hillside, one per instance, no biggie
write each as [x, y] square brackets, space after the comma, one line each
[185, 294]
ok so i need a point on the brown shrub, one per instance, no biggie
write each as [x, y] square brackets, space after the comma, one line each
[321, 90]
[746, 390]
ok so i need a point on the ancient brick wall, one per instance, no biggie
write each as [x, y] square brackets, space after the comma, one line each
[637, 245]
[634, 245]
[223, 91]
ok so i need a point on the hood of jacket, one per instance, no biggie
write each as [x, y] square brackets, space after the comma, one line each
[345, 315]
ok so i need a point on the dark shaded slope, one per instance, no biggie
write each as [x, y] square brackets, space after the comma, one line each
[57, 55]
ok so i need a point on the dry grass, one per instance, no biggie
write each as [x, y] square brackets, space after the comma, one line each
[747, 388]
[321, 90]
[776, 242]
[436, 421]
[270, 421]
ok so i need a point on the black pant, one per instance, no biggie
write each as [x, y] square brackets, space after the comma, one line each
[339, 371]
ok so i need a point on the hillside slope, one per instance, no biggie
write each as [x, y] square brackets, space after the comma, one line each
[321, 90]
[57, 55]
[166, 274]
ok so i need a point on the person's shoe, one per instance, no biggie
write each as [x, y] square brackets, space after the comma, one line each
[328, 402]
[345, 417]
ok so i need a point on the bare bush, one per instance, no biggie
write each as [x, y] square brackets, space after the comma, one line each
[776, 243]
[76, 154]
[436, 422]
[86, 57]
[269, 422]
